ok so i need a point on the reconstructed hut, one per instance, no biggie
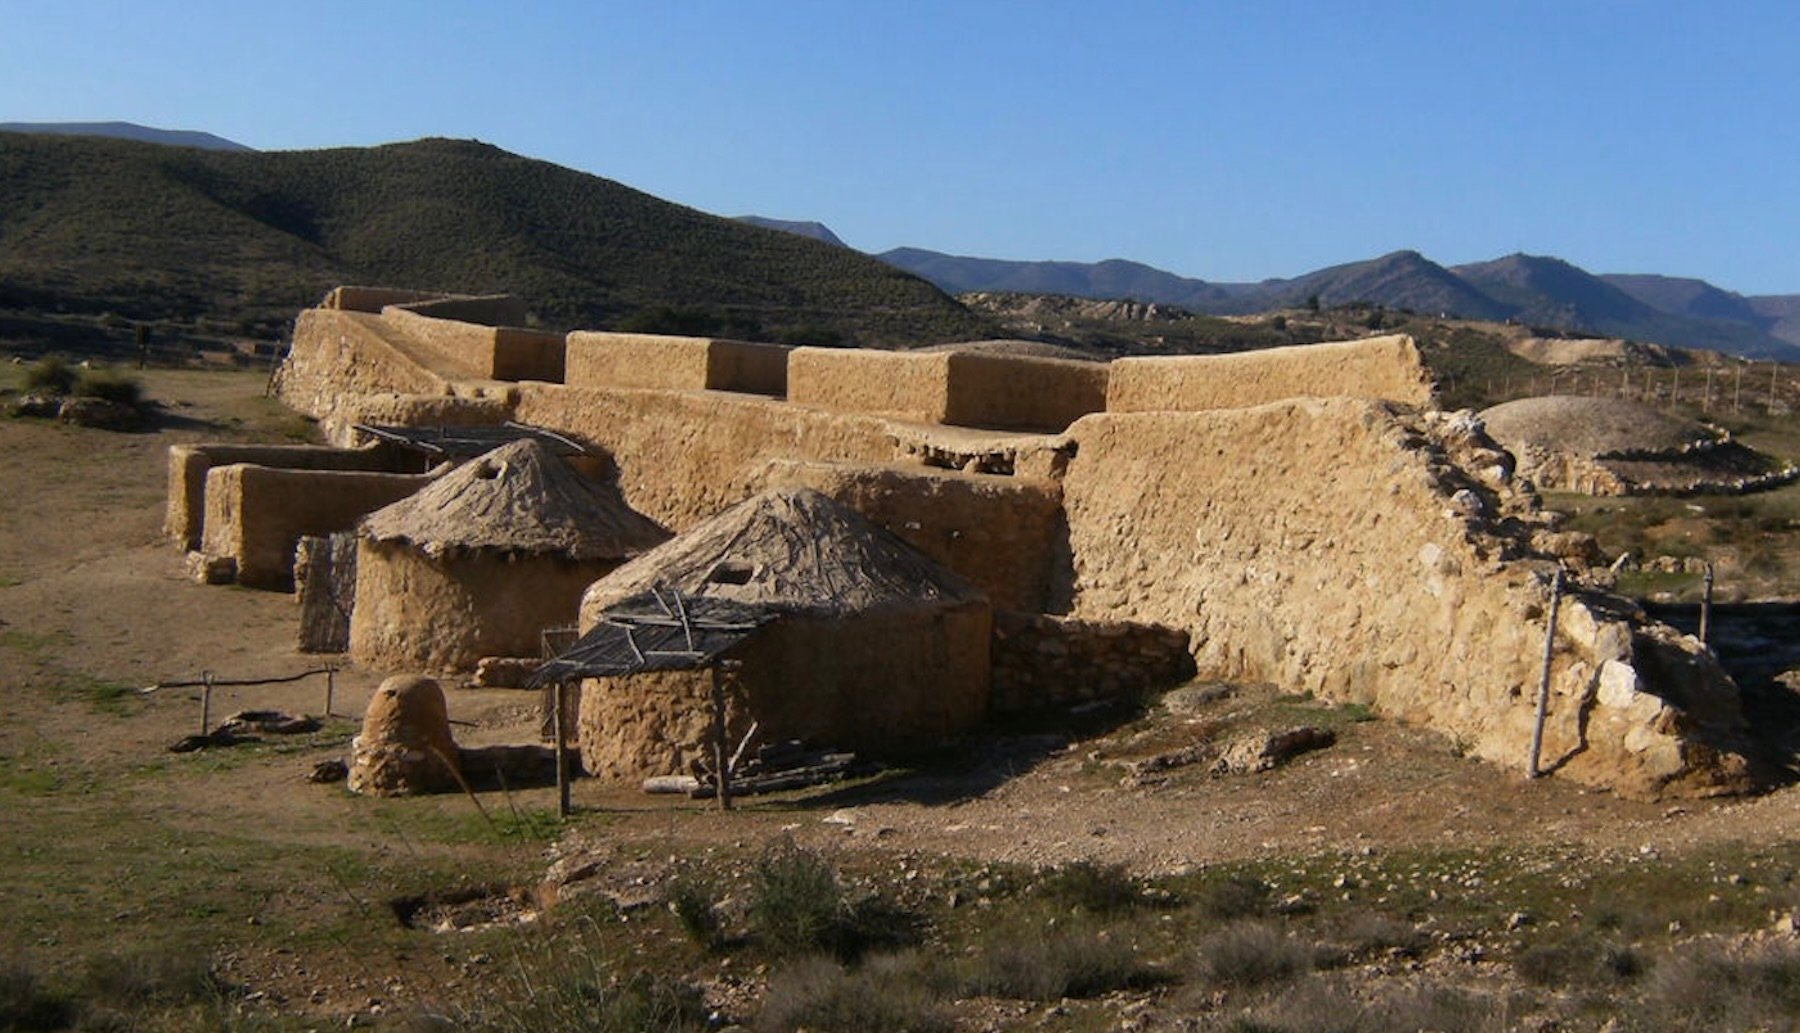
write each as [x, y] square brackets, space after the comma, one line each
[483, 560]
[839, 634]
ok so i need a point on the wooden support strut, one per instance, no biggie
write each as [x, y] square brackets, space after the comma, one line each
[1543, 693]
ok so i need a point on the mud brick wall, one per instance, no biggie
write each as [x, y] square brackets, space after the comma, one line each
[1377, 367]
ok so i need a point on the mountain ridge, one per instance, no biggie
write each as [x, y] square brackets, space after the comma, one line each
[129, 131]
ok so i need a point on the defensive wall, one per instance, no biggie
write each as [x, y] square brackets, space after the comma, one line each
[1353, 549]
[603, 359]
[1266, 504]
[1374, 367]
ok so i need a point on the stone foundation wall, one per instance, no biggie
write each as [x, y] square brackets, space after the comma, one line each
[1337, 547]
[1044, 662]
[1376, 367]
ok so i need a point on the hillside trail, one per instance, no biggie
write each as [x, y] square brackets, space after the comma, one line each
[91, 593]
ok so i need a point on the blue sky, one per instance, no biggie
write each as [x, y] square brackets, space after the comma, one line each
[1227, 141]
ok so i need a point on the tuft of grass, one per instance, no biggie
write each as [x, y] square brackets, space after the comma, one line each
[110, 385]
[884, 995]
[104, 696]
[1251, 954]
[1710, 987]
[798, 906]
[25, 1004]
[49, 375]
[581, 991]
[1095, 888]
[694, 904]
[139, 979]
[1049, 966]
[1234, 897]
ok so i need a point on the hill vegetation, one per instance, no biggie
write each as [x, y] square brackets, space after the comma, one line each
[151, 233]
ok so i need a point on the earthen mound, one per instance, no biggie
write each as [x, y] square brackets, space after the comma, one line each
[1608, 446]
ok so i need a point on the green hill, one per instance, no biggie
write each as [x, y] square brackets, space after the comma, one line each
[144, 232]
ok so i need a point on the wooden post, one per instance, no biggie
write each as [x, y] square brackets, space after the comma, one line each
[1706, 604]
[1737, 390]
[1543, 695]
[722, 673]
[1774, 372]
[558, 693]
[1706, 399]
[205, 702]
[330, 686]
[1675, 389]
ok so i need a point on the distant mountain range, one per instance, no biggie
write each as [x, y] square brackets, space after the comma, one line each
[1530, 289]
[129, 131]
[815, 230]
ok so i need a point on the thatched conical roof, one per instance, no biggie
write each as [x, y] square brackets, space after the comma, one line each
[789, 551]
[517, 498]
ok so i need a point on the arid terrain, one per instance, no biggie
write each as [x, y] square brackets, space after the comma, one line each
[1427, 873]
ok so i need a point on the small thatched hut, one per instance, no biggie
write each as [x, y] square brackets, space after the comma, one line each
[842, 634]
[485, 558]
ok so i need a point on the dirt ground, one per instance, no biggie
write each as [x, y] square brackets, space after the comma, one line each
[100, 821]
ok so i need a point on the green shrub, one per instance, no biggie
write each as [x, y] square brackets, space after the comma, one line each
[50, 375]
[576, 991]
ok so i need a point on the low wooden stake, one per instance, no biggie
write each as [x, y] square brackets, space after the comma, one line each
[205, 702]
[1706, 604]
[559, 691]
[1543, 694]
[330, 687]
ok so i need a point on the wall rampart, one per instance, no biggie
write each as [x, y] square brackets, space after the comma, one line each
[479, 352]
[493, 310]
[373, 299]
[255, 515]
[911, 386]
[339, 357]
[1376, 367]
[1332, 546]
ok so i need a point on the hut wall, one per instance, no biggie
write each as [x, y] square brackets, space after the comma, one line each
[414, 612]
[675, 363]
[185, 512]
[255, 515]
[1377, 367]
[1004, 535]
[883, 683]
[1314, 544]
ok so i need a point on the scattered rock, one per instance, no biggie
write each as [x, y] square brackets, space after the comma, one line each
[326, 772]
[37, 405]
[1264, 752]
[504, 672]
[99, 414]
[211, 570]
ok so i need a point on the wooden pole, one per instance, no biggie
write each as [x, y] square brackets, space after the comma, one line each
[1774, 372]
[205, 702]
[1706, 604]
[1737, 390]
[721, 674]
[558, 694]
[1706, 399]
[1543, 694]
[330, 687]
[1675, 390]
